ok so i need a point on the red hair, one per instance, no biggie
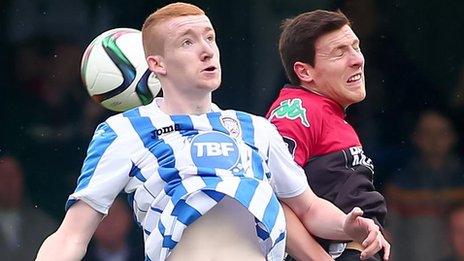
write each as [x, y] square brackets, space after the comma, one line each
[152, 42]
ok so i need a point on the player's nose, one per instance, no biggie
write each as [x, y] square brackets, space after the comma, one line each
[207, 50]
[356, 58]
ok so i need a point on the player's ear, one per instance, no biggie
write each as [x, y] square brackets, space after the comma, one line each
[156, 64]
[304, 71]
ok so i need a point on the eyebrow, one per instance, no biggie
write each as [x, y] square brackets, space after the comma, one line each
[190, 31]
[343, 45]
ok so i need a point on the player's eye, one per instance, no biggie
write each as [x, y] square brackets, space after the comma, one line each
[338, 52]
[210, 38]
[357, 48]
[187, 42]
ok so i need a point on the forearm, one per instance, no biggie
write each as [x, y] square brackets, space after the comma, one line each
[58, 247]
[320, 217]
[300, 244]
[70, 241]
[325, 220]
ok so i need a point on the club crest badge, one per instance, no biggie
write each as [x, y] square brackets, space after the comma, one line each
[231, 125]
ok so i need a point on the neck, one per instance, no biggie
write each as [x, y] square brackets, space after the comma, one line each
[185, 104]
[313, 89]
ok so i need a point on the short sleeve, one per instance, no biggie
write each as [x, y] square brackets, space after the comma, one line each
[105, 171]
[287, 178]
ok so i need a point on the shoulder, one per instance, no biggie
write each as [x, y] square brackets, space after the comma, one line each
[124, 126]
[248, 123]
[246, 117]
[299, 107]
[313, 104]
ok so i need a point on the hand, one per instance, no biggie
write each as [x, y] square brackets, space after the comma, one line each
[366, 232]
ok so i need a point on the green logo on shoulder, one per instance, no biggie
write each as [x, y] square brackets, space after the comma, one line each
[291, 109]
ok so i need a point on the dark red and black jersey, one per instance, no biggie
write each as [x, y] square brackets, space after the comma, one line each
[329, 150]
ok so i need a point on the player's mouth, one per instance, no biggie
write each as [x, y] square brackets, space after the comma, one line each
[354, 78]
[209, 69]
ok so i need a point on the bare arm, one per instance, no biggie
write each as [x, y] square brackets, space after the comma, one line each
[319, 216]
[70, 241]
[300, 244]
[323, 219]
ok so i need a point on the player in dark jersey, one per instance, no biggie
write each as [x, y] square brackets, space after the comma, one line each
[325, 66]
[203, 160]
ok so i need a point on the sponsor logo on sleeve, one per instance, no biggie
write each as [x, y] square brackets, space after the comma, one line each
[291, 109]
[360, 159]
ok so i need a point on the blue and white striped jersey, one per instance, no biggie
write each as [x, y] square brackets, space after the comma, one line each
[177, 167]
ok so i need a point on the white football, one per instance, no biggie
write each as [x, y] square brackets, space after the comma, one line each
[115, 72]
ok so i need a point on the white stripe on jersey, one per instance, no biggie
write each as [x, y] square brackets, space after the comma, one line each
[180, 166]
[261, 199]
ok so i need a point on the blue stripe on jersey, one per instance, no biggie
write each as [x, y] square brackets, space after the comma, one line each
[147, 258]
[185, 125]
[174, 187]
[217, 196]
[156, 210]
[177, 192]
[135, 172]
[246, 124]
[171, 176]
[215, 121]
[142, 126]
[206, 172]
[185, 213]
[281, 236]
[186, 128]
[245, 191]
[163, 153]
[165, 156]
[271, 212]
[101, 140]
[161, 228]
[168, 242]
[256, 164]
[211, 182]
[263, 234]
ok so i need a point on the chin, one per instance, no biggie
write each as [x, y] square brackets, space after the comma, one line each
[359, 97]
[359, 94]
[356, 97]
[208, 87]
[212, 84]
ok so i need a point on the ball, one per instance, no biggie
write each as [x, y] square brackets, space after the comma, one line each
[115, 72]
